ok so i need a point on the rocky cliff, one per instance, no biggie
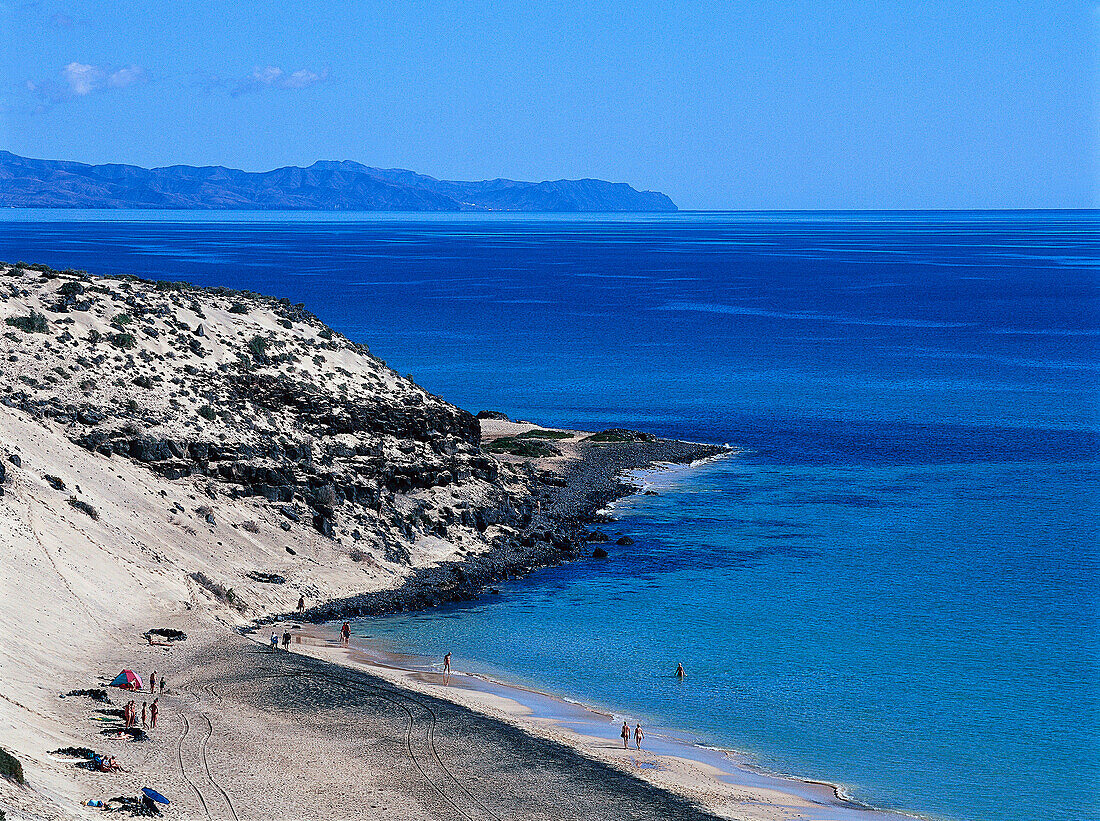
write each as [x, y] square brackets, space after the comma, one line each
[245, 406]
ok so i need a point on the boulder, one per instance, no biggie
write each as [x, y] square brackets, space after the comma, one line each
[323, 524]
[599, 553]
[624, 541]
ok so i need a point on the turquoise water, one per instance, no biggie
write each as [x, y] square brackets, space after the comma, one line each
[893, 588]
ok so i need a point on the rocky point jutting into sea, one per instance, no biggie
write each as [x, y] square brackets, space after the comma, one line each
[195, 459]
[254, 398]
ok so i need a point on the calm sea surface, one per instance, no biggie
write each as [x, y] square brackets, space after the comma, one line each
[895, 588]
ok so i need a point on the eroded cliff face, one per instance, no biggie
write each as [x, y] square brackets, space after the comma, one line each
[271, 447]
[252, 397]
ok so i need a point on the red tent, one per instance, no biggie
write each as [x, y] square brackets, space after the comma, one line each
[127, 680]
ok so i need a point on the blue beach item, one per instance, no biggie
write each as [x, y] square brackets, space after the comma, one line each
[148, 792]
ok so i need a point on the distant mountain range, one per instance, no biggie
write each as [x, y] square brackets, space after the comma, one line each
[323, 186]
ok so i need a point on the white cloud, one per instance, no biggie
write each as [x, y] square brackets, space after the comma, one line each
[80, 80]
[125, 76]
[84, 79]
[275, 77]
[303, 78]
[268, 76]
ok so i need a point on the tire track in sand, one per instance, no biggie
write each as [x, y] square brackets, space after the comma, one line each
[183, 770]
[474, 807]
[203, 745]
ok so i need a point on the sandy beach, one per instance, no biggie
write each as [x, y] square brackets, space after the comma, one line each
[714, 779]
[128, 510]
[137, 508]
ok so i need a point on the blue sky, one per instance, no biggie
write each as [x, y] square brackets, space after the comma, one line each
[720, 105]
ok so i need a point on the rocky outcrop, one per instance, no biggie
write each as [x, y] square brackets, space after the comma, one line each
[252, 398]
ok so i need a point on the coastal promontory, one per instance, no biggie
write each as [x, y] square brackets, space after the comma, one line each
[190, 463]
[322, 186]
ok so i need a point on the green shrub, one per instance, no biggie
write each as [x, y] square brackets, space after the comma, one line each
[121, 321]
[621, 435]
[71, 289]
[32, 323]
[528, 448]
[326, 333]
[123, 341]
[10, 767]
[207, 412]
[258, 346]
[84, 507]
[545, 434]
[219, 591]
[238, 308]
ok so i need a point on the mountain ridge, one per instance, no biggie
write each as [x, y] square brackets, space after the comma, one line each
[326, 185]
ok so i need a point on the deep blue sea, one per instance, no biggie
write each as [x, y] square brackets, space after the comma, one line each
[895, 588]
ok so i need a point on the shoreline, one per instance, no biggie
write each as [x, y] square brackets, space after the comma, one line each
[170, 514]
[672, 759]
[196, 521]
[576, 488]
[579, 723]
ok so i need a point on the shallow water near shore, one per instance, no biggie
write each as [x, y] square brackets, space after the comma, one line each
[601, 728]
[894, 588]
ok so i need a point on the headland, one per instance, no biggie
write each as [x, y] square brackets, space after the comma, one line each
[180, 465]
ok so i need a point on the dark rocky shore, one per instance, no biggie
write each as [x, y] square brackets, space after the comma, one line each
[252, 400]
[569, 504]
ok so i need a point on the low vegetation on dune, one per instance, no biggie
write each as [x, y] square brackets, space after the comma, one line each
[542, 433]
[619, 435]
[525, 447]
[10, 767]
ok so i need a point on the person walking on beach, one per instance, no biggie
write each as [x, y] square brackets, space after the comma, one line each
[144, 713]
[153, 710]
[680, 671]
[126, 714]
[625, 733]
[286, 640]
[638, 736]
[153, 682]
[345, 634]
[301, 604]
[447, 664]
[163, 684]
[274, 640]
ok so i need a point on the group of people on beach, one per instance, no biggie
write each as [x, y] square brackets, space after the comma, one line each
[286, 633]
[148, 714]
[639, 734]
[148, 711]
